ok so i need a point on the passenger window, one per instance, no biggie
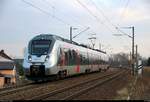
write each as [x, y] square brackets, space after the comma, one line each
[70, 54]
[60, 51]
[61, 57]
[66, 58]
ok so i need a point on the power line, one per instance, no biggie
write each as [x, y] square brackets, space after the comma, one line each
[101, 12]
[92, 14]
[81, 32]
[72, 17]
[107, 19]
[45, 12]
[124, 10]
[75, 21]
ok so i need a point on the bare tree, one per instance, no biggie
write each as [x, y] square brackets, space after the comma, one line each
[120, 60]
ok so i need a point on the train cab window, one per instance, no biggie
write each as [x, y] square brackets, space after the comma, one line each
[40, 47]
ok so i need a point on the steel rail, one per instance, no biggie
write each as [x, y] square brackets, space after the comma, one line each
[14, 86]
[10, 91]
[58, 91]
[91, 87]
[24, 87]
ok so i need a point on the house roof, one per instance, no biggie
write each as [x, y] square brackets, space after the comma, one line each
[3, 54]
[2, 59]
[6, 63]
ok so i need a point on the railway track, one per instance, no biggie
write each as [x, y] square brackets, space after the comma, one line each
[70, 92]
[27, 87]
[16, 89]
[14, 86]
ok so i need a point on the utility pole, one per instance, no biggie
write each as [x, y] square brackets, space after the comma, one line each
[71, 34]
[136, 69]
[71, 29]
[133, 60]
[130, 59]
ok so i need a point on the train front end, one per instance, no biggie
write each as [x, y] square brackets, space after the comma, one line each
[39, 59]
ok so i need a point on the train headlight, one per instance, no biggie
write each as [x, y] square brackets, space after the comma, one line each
[47, 58]
[29, 58]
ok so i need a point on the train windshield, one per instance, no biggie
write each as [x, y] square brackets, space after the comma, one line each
[40, 47]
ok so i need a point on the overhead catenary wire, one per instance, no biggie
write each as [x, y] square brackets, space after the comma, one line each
[92, 14]
[106, 18]
[124, 10]
[58, 19]
[72, 17]
[48, 3]
[45, 12]
[101, 12]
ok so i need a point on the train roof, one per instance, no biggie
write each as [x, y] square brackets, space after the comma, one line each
[49, 36]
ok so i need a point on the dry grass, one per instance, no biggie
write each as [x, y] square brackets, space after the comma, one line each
[142, 88]
[122, 94]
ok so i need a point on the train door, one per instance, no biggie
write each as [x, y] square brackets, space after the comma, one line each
[63, 63]
[61, 59]
[77, 61]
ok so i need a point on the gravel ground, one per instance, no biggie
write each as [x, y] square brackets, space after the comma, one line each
[119, 89]
[27, 94]
[113, 90]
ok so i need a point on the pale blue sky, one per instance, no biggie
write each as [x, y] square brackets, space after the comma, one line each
[19, 22]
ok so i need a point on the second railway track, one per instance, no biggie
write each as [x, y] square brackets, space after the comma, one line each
[57, 89]
[70, 92]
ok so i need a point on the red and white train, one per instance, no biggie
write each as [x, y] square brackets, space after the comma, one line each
[50, 55]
